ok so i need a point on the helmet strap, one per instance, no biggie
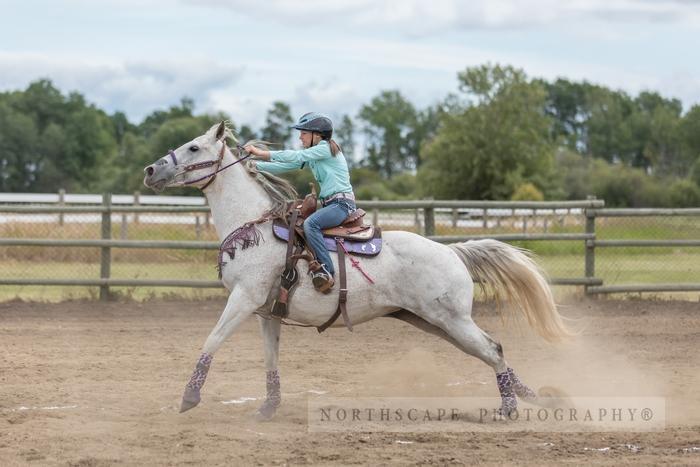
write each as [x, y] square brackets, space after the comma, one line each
[313, 139]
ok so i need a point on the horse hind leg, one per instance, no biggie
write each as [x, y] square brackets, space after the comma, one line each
[472, 340]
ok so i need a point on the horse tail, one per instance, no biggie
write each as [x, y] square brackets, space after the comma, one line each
[507, 272]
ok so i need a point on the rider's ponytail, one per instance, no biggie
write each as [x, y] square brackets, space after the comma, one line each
[335, 147]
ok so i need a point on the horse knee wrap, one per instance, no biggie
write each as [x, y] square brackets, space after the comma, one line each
[199, 375]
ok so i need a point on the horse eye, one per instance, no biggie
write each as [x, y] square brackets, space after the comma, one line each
[194, 148]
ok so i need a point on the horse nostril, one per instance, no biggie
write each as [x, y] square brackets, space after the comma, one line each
[149, 170]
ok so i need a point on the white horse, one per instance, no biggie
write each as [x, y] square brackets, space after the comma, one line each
[416, 280]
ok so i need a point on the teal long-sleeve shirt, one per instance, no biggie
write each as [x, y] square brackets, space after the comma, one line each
[331, 172]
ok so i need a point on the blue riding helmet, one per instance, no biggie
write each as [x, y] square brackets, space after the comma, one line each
[313, 121]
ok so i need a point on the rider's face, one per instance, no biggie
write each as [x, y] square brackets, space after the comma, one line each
[306, 137]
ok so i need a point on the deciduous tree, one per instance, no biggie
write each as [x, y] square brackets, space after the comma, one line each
[497, 142]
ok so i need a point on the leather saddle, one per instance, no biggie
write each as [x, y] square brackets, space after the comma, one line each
[358, 237]
[352, 228]
[353, 236]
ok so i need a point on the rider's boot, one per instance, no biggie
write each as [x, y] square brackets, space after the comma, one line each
[321, 278]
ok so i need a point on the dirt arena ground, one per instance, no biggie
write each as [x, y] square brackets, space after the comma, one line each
[92, 384]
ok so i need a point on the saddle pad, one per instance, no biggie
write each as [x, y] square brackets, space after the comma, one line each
[370, 247]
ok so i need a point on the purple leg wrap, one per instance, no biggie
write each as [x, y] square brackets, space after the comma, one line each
[191, 397]
[274, 396]
[200, 372]
[505, 387]
[520, 389]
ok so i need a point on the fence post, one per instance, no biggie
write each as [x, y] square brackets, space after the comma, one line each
[590, 245]
[137, 203]
[61, 203]
[455, 217]
[375, 213]
[106, 252]
[486, 218]
[534, 219]
[429, 218]
[123, 231]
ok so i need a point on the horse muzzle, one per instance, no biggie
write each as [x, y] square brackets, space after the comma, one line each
[156, 178]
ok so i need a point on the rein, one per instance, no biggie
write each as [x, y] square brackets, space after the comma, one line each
[244, 236]
[206, 164]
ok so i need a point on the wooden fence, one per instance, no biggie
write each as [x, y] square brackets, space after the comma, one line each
[592, 209]
[592, 244]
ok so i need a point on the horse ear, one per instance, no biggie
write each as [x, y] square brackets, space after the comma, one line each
[221, 130]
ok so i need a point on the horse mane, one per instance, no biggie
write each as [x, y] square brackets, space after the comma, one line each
[280, 191]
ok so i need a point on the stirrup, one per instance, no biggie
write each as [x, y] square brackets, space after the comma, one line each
[323, 282]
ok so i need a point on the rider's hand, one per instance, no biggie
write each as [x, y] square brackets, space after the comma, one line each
[249, 148]
[260, 154]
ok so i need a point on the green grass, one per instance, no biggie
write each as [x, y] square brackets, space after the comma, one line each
[561, 259]
[681, 266]
[613, 269]
[645, 228]
[55, 294]
[73, 270]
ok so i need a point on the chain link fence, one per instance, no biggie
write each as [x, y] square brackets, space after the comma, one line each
[650, 249]
[562, 258]
[85, 263]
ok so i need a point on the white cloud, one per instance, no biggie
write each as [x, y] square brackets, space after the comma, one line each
[418, 17]
[682, 85]
[337, 69]
[136, 87]
[332, 97]
[243, 109]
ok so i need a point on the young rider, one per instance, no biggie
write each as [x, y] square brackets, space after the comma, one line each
[330, 169]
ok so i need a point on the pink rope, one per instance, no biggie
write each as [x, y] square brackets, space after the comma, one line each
[355, 262]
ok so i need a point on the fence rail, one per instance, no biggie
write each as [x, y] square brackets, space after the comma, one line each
[148, 244]
[593, 214]
[425, 211]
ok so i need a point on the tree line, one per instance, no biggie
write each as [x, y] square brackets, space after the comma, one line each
[499, 135]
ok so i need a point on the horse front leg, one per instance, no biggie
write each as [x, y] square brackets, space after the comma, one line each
[271, 329]
[238, 308]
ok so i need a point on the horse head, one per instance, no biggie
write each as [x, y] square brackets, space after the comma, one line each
[188, 164]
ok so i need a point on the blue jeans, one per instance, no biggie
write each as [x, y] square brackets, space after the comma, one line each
[331, 215]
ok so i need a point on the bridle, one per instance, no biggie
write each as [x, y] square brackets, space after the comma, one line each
[206, 164]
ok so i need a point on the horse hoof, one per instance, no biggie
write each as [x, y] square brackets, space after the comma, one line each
[548, 396]
[189, 400]
[266, 412]
[505, 412]
[551, 391]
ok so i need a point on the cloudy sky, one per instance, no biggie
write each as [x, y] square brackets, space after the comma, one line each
[334, 55]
